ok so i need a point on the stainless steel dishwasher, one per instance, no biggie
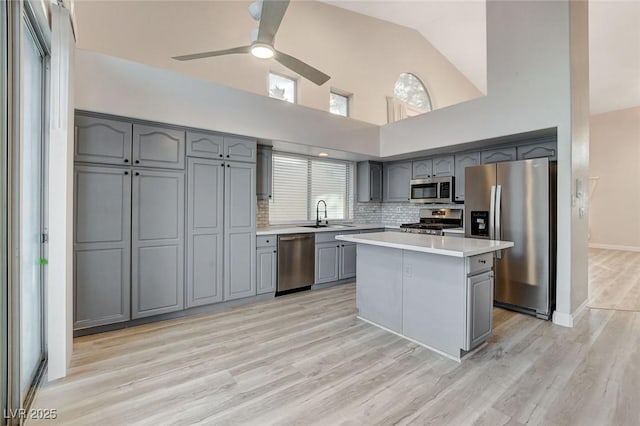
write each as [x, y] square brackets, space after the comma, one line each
[296, 261]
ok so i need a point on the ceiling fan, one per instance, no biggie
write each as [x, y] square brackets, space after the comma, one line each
[270, 14]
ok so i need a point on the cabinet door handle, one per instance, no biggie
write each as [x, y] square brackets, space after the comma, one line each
[137, 174]
[137, 161]
[126, 173]
[126, 160]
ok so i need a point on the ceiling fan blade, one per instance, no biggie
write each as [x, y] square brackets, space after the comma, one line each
[235, 50]
[270, 19]
[307, 71]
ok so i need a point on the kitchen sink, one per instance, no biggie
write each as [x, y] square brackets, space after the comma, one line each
[314, 226]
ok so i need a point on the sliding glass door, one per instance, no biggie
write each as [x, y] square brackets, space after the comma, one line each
[31, 212]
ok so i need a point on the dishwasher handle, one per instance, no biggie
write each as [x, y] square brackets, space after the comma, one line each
[296, 237]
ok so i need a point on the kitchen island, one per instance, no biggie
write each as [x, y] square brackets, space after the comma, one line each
[436, 291]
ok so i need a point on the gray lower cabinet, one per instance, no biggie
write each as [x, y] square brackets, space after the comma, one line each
[463, 160]
[205, 224]
[264, 172]
[369, 181]
[422, 169]
[157, 261]
[239, 230]
[498, 155]
[205, 144]
[397, 178]
[479, 308]
[266, 269]
[156, 146]
[238, 148]
[101, 140]
[347, 260]
[327, 262]
[102, 241]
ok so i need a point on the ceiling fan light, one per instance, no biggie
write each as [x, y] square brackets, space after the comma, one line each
[262, 51]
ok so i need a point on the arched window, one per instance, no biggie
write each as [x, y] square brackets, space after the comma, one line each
[410, 98]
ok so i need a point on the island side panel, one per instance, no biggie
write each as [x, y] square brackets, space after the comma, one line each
[435, 301]
[379, 285]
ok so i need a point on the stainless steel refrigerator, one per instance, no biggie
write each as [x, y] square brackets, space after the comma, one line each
[515, 201]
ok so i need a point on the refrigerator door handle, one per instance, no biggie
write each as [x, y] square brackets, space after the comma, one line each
[498, 218]
[492, 214]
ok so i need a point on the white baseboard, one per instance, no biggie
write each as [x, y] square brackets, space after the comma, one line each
[613, 247]
[565, 320]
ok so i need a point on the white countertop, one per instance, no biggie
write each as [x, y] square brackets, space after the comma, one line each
[447, 246]
[292, 229]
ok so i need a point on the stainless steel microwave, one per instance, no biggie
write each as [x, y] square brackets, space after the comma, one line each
[433, 190]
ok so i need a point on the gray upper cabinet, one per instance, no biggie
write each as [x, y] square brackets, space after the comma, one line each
[102, 239]
[444, 166]
[422, 169]
[369, 181]
[347, 260]
[237, 148]
[240, 230]
[156, 146]
[327, 262]
[101, 140]
[397, 178]
[498, 155]
[205, 204]
[542, 149]
[463, 160]
[157, 242]
[205, 145]
[264, 172]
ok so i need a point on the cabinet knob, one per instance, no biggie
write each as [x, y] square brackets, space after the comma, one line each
[137, 174]
[370, 198]
[482, 261]
[126, 160]
[126, 173]
[220, 155]
[269, 196]
[137, 161]
[227, 155]
[228, 165]
[267, 240]
[221, 164]
[275, 251]
[338, 246]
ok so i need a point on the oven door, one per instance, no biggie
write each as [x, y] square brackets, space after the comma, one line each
[424, 191]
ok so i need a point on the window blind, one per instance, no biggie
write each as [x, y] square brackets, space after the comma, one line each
[300, 182]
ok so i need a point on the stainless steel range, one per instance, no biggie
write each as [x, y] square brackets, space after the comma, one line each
[434, 221]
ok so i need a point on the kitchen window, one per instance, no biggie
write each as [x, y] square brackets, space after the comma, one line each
[281, 87]
[339, 104]
[299, 182]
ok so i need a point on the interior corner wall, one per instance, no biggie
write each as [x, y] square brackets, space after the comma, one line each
[528, 88]
[615, 160]
[116, 86]
[60, 276]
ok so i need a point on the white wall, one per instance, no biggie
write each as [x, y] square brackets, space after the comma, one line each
[615, 159]
[531, 85]
[117, 86]
[363, 55]
[60, 273]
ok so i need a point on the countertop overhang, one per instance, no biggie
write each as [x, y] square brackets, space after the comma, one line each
[446, 246]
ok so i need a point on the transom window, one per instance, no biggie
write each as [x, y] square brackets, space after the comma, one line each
[299, 182]
[339, 104]
[281, 87]
[410, 90]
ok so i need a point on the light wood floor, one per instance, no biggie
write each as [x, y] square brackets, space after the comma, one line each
[305, 359]
[614, 280]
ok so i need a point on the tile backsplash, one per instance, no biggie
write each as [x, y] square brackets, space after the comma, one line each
[387, 213]
[393, 213]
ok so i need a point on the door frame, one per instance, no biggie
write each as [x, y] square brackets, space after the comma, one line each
[23, 16]
[4, 257]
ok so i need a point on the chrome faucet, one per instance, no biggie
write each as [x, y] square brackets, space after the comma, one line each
[326, 222]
